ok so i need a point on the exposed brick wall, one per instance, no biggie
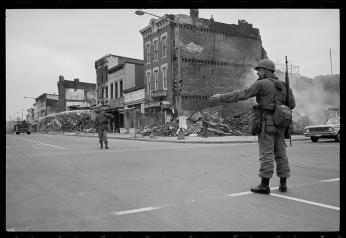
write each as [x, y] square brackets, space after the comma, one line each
[217, 57]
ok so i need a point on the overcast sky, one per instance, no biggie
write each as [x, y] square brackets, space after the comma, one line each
[42, 44]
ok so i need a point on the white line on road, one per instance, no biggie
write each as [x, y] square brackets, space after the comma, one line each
[236, 195]
[330, 180]
[137, 210]
[38, 142]
[306, 201]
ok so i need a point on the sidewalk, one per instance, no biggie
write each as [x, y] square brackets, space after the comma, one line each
[187, 139]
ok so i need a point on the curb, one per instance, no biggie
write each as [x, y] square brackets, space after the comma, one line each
[171, 141]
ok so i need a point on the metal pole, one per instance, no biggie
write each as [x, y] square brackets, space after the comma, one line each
[331, 67]
[179, 70]
[135, 121]
[178, 45]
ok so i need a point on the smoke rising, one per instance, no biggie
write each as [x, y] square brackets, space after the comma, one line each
[313, 96]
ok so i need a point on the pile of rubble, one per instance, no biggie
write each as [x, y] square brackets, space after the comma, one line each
[199, 124]
[169, 129]
[216, 125]
[69, 121]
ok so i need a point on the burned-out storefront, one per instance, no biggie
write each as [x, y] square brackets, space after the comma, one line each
[75, 94]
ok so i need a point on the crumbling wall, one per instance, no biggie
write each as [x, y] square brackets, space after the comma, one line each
[75, 93]
[217, 57]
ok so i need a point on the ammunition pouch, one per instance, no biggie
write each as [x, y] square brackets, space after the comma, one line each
[270, 127]
[257, 119]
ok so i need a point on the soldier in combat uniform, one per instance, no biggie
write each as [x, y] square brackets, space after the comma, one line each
[271, 140]
[101, 122]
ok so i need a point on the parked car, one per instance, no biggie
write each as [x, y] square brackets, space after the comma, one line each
[329, 129]
[22, 127]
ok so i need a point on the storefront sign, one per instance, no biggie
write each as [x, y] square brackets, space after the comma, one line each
[134, 96]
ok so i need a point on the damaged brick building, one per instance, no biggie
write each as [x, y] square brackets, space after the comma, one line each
[120, 85]
[75, 94]
[46, 104]
[214, 57]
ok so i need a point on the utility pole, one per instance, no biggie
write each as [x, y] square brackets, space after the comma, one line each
[331, 67]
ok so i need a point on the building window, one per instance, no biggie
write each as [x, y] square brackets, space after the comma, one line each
[156, 49]
[148, 73]
[121, 88]
[116, 90]
[164, 44]
[164, 76]
[112, 91]
[106, 90]
[156, 78]
[147, 51]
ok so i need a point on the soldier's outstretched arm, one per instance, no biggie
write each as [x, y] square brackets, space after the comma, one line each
[240, 95]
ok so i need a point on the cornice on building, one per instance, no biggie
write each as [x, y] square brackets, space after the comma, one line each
[242, 29]
[43, 96]
[103, 62]
[156, 25]
[72, 84]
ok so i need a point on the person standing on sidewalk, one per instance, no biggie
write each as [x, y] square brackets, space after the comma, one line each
[101, 123]
[271, 140]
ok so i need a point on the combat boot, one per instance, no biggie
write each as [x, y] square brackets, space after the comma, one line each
[101, 147]
[262, 188]
[106, 145]
[283, 185]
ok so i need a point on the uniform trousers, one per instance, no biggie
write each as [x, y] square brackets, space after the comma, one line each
[102, 136]
[272, 147]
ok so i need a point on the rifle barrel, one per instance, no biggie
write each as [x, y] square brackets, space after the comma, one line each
[287, 82]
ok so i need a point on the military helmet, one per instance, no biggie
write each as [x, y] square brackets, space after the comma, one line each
[266, 64]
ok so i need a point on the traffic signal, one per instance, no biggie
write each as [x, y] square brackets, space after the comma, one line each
[177, 86]
[180, 84]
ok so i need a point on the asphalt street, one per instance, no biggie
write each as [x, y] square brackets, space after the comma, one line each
[66, 183]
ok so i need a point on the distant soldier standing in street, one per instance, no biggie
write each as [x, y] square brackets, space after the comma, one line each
[101, 122]
[267, 90]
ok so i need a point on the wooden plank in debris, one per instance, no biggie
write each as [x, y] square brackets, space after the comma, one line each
[207, 112]
[218, 131]
[211, 110]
